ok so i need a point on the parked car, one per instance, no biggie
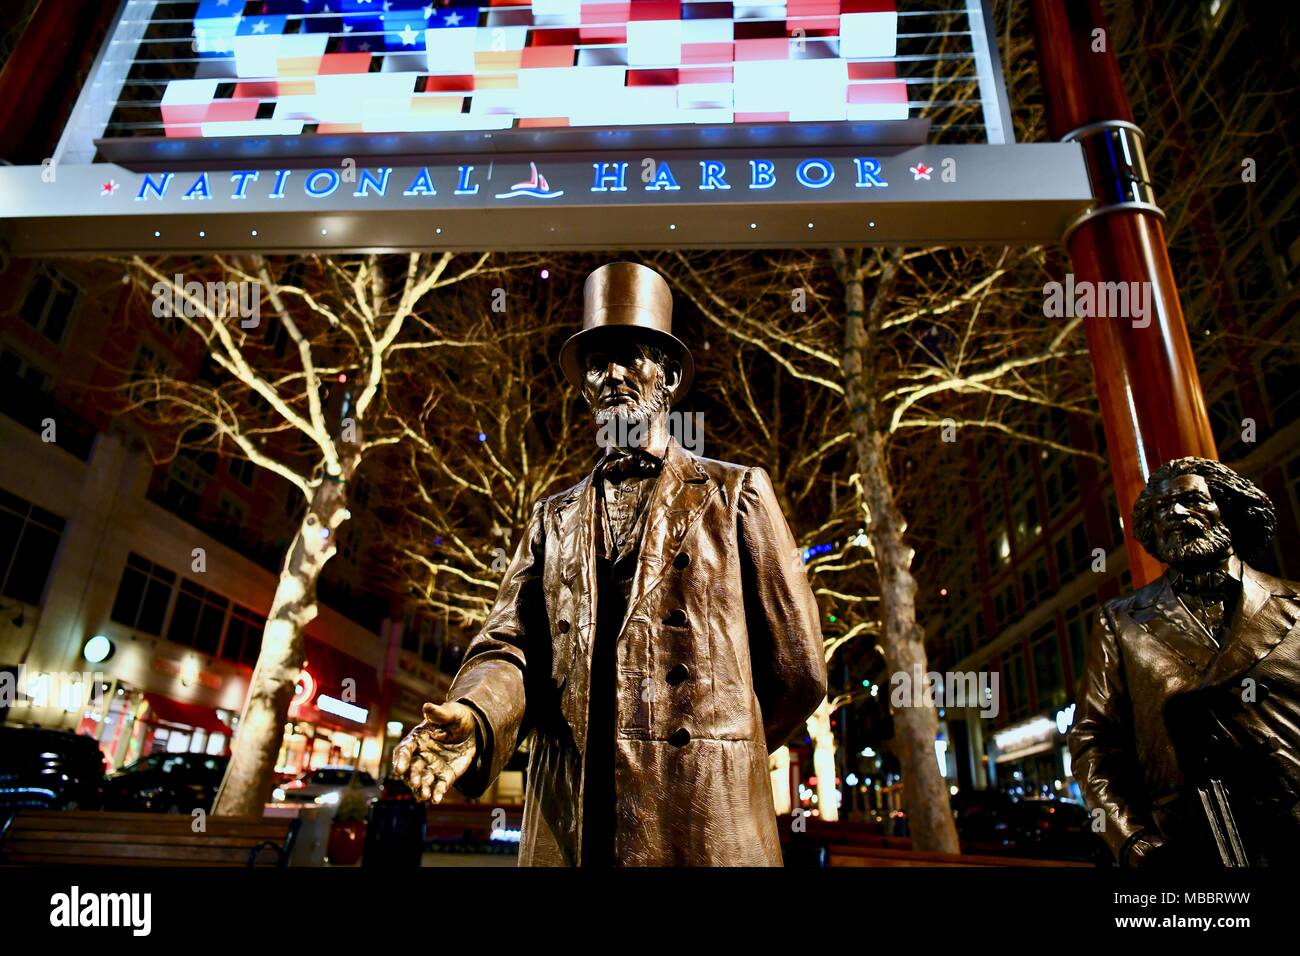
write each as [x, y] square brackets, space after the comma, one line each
[49, 769]
[1058, 830]
[166, 783]
[395, 788]
[326, 785]
[983, 819]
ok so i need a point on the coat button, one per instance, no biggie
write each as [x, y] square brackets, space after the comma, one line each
[677, 618]
[681, 561]
[680, 737]
[678, 674]
[564, 627]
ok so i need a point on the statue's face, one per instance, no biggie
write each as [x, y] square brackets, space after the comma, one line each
[1189, 529]
[623, 381]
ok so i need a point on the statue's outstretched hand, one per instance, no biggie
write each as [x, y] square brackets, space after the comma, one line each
[437, 750]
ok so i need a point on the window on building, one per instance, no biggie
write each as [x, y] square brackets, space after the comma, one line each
[243, 641]
[1014, 687]
[1282, 386]
[198, 618]
[243, 471]
[1049, 678]
[29, 538]
[231, 511]
[1226, 418]
[1027, 522]
[182, 491]
[143, 595]
[49, 303]
[450, 660]
[410, 633]
[1078, 625]
[430, 641]
[16, 368]
[148, 364]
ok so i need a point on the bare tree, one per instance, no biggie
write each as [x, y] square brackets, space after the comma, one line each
[306, 413]
[919, 343]
[484, 438]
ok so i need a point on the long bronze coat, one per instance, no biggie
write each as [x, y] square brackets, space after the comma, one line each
[1160, 710]
[719, 660]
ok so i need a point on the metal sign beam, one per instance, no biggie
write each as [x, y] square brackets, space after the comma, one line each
[816, 197]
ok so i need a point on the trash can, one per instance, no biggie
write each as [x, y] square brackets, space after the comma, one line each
[394, 834]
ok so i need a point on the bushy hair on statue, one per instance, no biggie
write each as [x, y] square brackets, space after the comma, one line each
[1247, 511]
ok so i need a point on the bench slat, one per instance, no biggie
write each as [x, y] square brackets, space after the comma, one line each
[164, 839]
[195, 855]
[140, 839]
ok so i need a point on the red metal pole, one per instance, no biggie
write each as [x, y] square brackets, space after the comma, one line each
[1152, 406]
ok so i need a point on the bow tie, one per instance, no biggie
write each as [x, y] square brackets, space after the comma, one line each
[637, 464]
[1210, 584]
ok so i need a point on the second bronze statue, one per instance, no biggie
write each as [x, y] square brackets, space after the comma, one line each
[655, 631]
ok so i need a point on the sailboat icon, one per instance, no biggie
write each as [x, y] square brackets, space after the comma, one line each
[535, 186]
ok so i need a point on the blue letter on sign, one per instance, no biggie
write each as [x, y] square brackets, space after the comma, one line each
[331, 179]
[368, 180]
[201, 189]
[240, 179]
[762, 174]
[462, 185]
[814, 173]
[603, 176]
[663, 180]
[158, 189]
[421, 185]
[280, 176]
[711, 173]
[869, 173]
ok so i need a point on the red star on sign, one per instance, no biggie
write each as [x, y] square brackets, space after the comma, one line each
[108, 188]
[921, 171]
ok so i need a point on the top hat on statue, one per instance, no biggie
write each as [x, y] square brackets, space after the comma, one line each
[625, 301]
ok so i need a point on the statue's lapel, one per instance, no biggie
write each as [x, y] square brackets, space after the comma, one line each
[680, 496]
[1171, 624]
[1259, 625]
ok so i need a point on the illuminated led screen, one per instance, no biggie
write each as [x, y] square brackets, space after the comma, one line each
[223, 68]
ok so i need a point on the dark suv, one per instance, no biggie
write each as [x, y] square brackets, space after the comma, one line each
[166, 783]
[49, 769]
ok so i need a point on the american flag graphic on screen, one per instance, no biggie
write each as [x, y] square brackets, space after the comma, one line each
[287, 67]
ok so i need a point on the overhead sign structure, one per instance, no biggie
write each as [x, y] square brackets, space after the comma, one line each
[692, 199]
[290, 125]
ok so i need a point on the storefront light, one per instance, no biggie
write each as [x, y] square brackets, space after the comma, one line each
[394, 728]
[98, 649]
[339, 708]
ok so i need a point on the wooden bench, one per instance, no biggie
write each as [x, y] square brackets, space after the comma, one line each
[81, 838]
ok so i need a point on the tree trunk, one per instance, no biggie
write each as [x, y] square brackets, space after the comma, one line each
[929, 817]
[250, 775]
[819, 729]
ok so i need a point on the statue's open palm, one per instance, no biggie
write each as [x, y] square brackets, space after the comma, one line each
[437, 751]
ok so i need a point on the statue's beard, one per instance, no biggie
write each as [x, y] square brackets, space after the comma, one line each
[1197, 550]
[628, 426]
